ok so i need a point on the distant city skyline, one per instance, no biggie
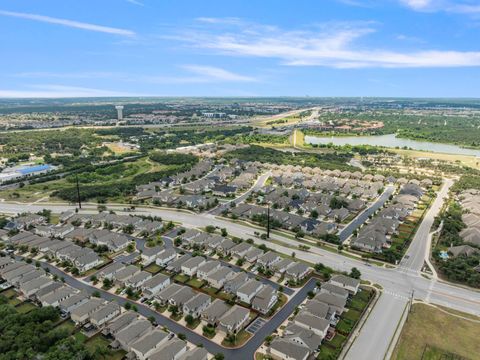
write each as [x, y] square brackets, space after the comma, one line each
[390, 48]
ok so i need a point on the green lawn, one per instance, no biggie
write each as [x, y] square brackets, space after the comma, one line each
[224, 296]
[68, 325]
[25, 307]
[181, 278]
[327, 353]
[80, 337]
[338, 341]
[99, 341]
[14, 301]
[96, 341]
[196, 283]
[9, 293]
[210, 290]
[153, 268]
[240, 339]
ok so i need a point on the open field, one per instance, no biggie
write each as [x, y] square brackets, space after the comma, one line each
[119, 149]
[440, 335]
[466, 160]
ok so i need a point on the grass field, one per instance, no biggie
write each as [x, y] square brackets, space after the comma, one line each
[466, 160]
[433, 334]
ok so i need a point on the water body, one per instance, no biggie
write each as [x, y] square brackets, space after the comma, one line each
[392, 141]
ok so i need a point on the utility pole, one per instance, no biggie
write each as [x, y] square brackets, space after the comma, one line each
[78, 193]
[268, 221]
[411, 301]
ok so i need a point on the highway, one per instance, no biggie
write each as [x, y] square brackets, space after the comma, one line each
[398, 283]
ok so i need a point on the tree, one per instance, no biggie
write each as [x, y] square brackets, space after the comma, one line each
[268, 340]
[152, 319]
[127, 306]
[96, 294]
[210, 229]
[219, 356]
[355, 273]
[224, 232]
[182, 336]
[189, 319]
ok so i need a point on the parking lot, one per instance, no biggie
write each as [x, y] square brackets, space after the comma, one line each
[255, 325]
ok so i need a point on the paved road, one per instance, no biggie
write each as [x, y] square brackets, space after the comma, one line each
[397, 283]
[418, 250]
[348, 230]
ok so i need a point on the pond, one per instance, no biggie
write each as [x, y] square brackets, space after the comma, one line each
[392, 141]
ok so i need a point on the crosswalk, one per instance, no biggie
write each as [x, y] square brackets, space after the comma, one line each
[396, 295]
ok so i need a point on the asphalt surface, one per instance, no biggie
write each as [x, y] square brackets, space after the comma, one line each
[398, 283]
[348, 230]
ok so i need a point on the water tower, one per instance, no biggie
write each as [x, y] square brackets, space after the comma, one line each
[119, 112]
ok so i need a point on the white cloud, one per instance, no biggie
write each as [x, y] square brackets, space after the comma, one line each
[211, 73]
[69, 23]
[59, 91]
[135, 2]
[194, 74]
[468, 7]
[336, 45]
[418, 4]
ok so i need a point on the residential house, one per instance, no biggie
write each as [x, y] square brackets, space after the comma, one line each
[196, 305]
[120, 322]
[288, 350]
[165, 257]
[180, 297]
[191, 266]
[153, 286]
[332, 289]
[132, 333]
[104, 314]
[207, 268]
[150, 254]
[171, 350]
[231, 286]
[74, 301]
[248, 290]
[214, 312]
[219, 277]
[149, 343]
[346, 282]
[297, 271]
[253, 254]
[55, 297]
[234, 319]
[166, 293]
[268, 259]
[81, 314]
[137, 280]
[265, 299]
[311, 322]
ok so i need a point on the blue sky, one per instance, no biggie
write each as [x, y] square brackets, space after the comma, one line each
[409, 48]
